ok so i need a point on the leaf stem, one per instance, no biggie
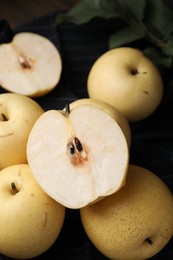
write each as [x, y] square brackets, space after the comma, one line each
[152, 38]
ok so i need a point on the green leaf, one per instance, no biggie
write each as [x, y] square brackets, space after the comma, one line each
[158, 57]
[125, 36]
[135, 8]
[159, 16]
[86, 10]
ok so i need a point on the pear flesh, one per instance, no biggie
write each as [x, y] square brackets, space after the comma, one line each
[30, 65]
[79, 158]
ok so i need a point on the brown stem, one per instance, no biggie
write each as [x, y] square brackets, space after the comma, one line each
[67, 109]
[14, 190]
[153, 39]
[4, 118]
[149, 241]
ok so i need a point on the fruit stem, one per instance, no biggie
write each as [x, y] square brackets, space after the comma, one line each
[67, 109]
[149, 241]
[14, 190]
[4, 118]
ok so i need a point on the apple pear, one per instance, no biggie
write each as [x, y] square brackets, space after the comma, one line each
[136, 222]
[112, 111]
[18, 114]
[125, 78]
[30, 65]
[30, 221]
[78, 158]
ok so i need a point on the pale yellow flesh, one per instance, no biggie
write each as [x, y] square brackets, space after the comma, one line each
[136, 222]
[103, 170]
[109, 109]
[44, 61]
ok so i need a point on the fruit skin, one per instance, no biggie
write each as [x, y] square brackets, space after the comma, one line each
[34, 63]
[112, 111]
[120, 224]
[21, 112]
[126, 79]
[30, 221]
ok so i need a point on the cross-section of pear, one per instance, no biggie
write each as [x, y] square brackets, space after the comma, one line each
[79, 158]
[30, 65]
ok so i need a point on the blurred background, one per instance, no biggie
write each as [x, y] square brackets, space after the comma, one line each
[18, 12]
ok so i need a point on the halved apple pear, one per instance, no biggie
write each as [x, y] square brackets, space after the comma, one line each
[30, 65]
[79, 158]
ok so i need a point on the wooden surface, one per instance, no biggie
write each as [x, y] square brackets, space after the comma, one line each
[18, 12]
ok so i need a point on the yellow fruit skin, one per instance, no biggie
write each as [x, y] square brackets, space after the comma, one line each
[120, 224]
[30, 221]
[21, 112]
[126, 79]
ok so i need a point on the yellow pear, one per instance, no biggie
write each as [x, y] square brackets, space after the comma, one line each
[128, 80]
[136, 222]
[18, 114]
[30, 221]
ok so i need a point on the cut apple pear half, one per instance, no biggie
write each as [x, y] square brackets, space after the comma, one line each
[78, 157]
[30, 65]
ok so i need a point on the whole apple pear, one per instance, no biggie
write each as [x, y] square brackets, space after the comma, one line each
[125, 78]
[134, 223]
[18, 114]
[30, 221]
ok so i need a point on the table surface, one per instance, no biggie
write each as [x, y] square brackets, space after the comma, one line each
[18, 12]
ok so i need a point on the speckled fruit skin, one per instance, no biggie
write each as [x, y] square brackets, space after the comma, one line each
[128, 80]
[20, 114]
[30, 221]
[136, 222]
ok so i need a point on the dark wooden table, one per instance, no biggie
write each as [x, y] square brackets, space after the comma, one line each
[18, 12]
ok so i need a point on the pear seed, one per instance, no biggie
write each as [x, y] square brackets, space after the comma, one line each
[71, 148]
[24, 62]
[78, 144]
